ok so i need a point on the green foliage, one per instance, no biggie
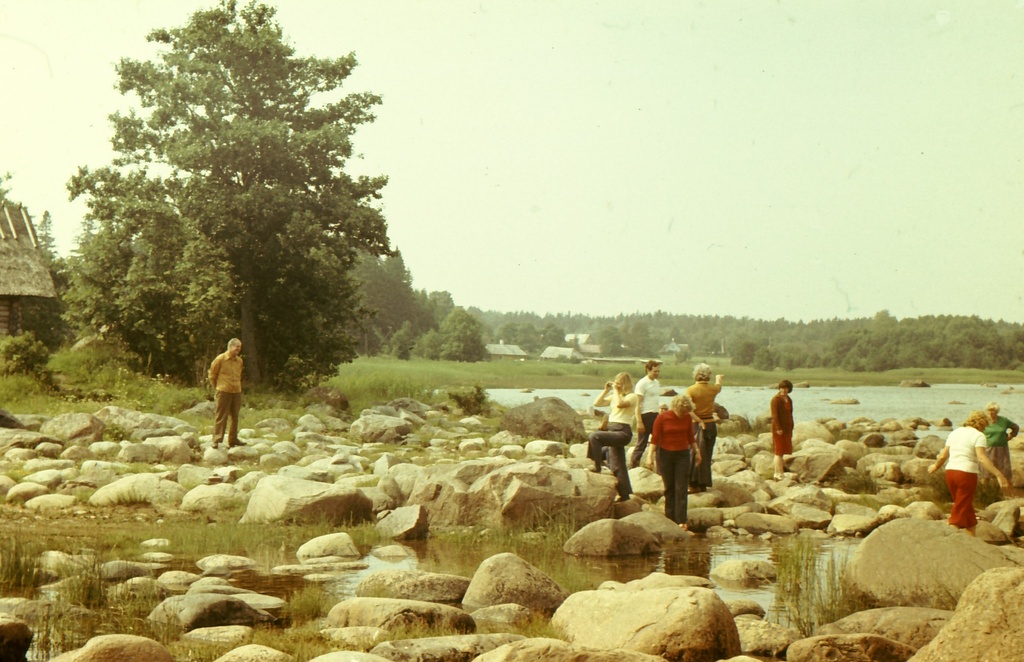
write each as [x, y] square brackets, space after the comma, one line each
[461, 337]
[471, 400]
[810, 589]
[253, 226]
[19, 563]
[391, 305]
[24, 355]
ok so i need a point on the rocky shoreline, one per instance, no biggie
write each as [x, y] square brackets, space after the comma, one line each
[409, 468]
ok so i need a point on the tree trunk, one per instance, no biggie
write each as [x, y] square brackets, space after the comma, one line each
[252, 356]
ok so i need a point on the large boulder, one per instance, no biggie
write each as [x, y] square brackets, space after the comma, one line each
[453, 647]
[544, 418]
[556, 650]
[913, 626]
[506, 578]
[279, 498]
[74, 427]
[690, 624]
[379, 428]
[988, 623]
[120, 647]
[15, 637]
[849, 648]
[512, 494]
[198, 610]
[414, 585]
[152, 489]
[393, 614]
[922, 563]
[611, 537]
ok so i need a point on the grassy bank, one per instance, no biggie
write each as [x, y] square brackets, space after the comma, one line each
[545, 374]
[95, 377]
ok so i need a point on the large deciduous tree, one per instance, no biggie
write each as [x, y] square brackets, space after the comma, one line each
[228, 210]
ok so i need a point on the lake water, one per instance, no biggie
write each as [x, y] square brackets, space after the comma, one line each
[952, 401]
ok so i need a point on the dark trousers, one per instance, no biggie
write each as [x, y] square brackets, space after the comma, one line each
[615, 439]
[674, 467]
[642, 438]
[228, 406]
[700, 475]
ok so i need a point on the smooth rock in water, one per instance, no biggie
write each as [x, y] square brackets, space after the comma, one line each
[506, 578]
[414, 585]
[611, 537]
[675, 623]
[392, 614]
[119, 647]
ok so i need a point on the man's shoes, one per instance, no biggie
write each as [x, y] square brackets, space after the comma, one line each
[214, 445]
[235, 444]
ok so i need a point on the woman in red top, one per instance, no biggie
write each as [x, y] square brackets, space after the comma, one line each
[673, 440]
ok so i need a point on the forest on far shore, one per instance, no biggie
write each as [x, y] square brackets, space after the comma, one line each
[405, 322]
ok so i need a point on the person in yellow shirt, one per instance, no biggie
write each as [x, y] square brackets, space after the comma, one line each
[226, 378]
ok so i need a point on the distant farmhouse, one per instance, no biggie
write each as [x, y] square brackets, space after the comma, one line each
[577, 339]
[563, 353]
[23, 272]
[502, 351]
[674, 348]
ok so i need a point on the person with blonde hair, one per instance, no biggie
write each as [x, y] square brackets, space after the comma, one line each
[673, 441]
[618, 395]
[998, 433]
[965, 451]
[703, 395]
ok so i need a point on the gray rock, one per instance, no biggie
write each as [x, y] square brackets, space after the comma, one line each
[849, 648]
[913, 626]
[405, 523]
[610, 537]
[506, 578]
[544, 418]
[675, 623]
[414, 585]
[454, 648]
[392, 614]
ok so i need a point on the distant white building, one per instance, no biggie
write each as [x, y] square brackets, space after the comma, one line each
[563, 353]
[503, 351]
[674, 348]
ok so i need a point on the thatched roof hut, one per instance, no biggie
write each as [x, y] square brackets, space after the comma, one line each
[23, 271]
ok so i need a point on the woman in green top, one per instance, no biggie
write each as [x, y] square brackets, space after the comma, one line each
[999, 432]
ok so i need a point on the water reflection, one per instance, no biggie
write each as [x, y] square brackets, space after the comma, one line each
[698, 556]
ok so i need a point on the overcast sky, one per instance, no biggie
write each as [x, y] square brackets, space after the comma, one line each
[793, 159]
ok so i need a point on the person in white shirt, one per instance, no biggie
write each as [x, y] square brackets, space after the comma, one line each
[965, 450]
[648, 392]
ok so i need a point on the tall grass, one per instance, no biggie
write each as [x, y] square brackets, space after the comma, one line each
[810, 589]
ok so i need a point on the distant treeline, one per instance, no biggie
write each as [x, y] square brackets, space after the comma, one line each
[867, 344]
[402, 321]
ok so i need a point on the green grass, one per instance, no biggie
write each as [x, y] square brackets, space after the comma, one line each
[810, 590]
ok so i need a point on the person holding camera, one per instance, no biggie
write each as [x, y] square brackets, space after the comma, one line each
[618, 395]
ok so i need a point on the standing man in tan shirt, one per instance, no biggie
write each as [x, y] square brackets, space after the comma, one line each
[226, 378]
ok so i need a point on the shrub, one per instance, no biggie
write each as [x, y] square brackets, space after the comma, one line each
[24, 355]
[471, 400]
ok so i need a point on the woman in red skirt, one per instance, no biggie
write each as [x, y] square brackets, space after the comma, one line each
[782, 426]
[965, 450]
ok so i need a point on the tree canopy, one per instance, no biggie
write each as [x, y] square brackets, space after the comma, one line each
[227, 210]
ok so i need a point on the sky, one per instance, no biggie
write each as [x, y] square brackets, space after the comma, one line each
[790, 159]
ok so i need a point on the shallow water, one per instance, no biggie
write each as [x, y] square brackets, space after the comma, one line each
[697, 556]
[952, 401]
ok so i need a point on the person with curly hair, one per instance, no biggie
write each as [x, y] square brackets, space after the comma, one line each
[965, 451]
[703, 395]
[673, 441]
[999, 432]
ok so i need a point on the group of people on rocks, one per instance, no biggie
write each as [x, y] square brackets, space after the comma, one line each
[678, 439]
